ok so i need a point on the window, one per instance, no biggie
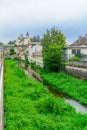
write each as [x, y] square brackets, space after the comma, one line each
[73, 51]
[78, 51]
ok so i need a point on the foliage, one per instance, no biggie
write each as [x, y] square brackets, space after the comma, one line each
[75, 88]
[37, 68]
[26, 61]
[1, 43]
[29, 106]
[12, 52]
[74, 58]
[53, 43]
[11, 42]
[35, 38]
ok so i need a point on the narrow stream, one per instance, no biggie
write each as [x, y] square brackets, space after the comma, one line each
[57, 93]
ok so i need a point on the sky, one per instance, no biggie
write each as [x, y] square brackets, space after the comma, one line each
[36, 16]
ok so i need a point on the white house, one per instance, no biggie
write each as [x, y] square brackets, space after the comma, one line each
[35, 53]
[79, 47]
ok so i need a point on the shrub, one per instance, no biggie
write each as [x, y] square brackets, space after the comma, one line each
[74, 58]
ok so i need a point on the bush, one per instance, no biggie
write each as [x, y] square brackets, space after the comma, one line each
[74, 58]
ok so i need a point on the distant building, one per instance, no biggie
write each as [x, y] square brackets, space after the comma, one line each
[35, 53]
[79, 47]
[23, 40]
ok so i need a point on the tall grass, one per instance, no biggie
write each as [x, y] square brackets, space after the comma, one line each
[75, 88]
[29, 105]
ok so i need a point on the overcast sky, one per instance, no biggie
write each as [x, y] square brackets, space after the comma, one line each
[35, 16]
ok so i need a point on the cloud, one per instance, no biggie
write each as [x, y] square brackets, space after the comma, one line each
[37, 11]
[21, 13]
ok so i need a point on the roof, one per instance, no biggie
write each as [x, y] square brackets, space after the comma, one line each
[80, 41]
[35, 43]
[37, 54]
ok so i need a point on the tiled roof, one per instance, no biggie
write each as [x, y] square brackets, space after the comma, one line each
[80, 41]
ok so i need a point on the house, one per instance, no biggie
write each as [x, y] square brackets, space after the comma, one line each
[78, 48]
[37, 58]
[35, 53]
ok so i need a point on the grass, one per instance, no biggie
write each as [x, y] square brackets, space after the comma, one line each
[75, 88]
[29, 106]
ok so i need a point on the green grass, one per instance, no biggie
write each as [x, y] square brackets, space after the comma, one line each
[29, 106]
[73, 87]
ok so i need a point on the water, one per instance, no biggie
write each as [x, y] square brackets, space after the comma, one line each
[77, 106]
[57, 93]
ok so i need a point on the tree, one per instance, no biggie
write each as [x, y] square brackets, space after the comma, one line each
[11, 42]
[12, 52]
[1, 43]
[53, 43]
[35, 38]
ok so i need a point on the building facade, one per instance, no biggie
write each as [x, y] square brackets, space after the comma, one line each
[78, 48]
[35, 53]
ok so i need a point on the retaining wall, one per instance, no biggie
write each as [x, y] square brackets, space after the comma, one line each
[77, 72]
[81, 64]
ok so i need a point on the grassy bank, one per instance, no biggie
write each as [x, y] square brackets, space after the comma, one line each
[75, 88]
[29, 105]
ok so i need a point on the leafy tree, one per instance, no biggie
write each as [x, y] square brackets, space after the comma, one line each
[11, 42]
[12, 51]
[35, 38]
[1, 43]
[53, 43]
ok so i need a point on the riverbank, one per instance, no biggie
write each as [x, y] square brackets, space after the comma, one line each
[75, 88]
[28, 104]
[33, 74]
[72, 87]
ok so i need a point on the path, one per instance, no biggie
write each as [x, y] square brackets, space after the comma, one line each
[1, 96]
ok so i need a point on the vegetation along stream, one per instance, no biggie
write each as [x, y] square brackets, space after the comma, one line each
[57, 93]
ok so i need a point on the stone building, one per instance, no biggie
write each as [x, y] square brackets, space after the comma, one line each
[23, 40]
[34, 49]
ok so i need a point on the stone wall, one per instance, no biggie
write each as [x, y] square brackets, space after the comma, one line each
[80, 64]
[77, 72]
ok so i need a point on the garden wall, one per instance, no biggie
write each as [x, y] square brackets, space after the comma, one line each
[77, 72]
[81, 64]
